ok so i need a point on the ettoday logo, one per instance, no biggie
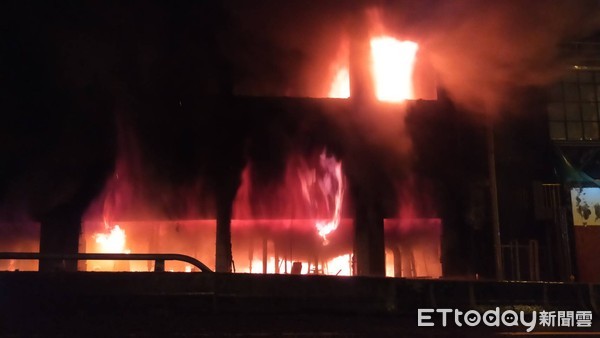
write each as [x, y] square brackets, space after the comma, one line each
[508, 318]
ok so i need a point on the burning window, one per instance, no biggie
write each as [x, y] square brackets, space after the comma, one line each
[392, 69]
[393, 63]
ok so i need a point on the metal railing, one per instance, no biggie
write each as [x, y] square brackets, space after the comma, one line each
[159, 259]
[522, 259]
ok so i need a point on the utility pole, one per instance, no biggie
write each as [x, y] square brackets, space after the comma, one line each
[494, 201]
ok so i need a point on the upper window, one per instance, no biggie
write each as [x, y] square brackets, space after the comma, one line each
[573, 107]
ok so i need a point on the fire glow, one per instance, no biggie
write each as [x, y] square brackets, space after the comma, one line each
[297, 227]
[392, 70]
[113, 242]
[334, 175]
[393, 63]
[340, 87]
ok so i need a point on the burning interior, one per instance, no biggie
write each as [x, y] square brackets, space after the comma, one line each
[299, 226]
[310, 177]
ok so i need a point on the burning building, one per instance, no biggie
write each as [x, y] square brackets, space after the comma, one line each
[269, 138]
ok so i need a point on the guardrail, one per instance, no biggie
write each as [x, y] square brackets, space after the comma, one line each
[159, 259]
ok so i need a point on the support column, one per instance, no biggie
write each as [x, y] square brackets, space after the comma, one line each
[494, 203]
[59, 234]
[223, 246]
[226, 183]
[226, 170]
[362, 90]
[369, 248]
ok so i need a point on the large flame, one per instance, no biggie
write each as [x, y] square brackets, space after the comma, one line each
[393, 62]
[392, 70]
[340, 265]
[112, 242]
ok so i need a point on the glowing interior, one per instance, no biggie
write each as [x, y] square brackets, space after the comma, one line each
[393, 62]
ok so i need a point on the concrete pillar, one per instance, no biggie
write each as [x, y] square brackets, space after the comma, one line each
[59, 234]
[362, 89]
[369, 248]
[223, 257]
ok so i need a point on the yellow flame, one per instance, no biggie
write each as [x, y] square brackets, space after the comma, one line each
[393, 62]
[113, 242]
[340, 265]
[256, 265]
[340, 87]
[324, 228]
[392, 69]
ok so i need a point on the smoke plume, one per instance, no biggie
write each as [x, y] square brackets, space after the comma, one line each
[483, 50]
